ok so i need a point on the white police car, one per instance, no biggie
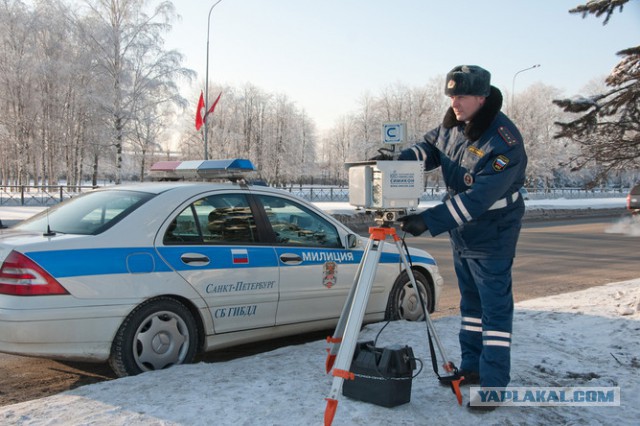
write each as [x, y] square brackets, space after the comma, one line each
[147, 275]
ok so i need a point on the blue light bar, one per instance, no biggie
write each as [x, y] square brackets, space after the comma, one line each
[205, 169]
[237, 167]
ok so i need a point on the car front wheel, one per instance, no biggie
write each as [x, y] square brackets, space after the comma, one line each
[157, 334]
[403, 301]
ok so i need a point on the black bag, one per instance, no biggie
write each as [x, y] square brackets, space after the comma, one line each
[383, 376]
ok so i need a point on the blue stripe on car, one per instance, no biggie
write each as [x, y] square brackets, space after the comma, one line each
[110, 261]
[73, 263]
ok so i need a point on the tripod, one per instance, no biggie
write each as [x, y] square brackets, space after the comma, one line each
[344, 340]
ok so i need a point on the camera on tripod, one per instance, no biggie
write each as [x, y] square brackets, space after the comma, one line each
[386, 188]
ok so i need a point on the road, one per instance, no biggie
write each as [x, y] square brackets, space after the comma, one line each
[553, 257]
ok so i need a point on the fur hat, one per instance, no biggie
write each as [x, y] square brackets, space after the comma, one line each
[470, 80]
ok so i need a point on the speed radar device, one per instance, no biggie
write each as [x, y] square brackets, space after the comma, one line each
[385, 186]
[388, 188]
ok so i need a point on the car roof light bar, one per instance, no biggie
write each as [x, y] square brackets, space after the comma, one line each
[234, 169]
[188, 169]
[165, 169]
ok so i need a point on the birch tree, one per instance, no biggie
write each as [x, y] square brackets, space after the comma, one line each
[127, 44]
[17, 62]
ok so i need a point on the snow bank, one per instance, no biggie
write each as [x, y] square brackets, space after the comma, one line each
[586, 338]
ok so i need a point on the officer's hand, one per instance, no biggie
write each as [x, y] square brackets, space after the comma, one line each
[384, 154]
[413, 224]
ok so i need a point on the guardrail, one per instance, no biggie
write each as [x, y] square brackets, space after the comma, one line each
[28, 195]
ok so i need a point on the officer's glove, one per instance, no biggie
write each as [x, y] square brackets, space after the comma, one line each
[413, 224]
[384, 154]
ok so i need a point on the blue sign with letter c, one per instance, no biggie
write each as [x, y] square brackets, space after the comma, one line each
[393, 133]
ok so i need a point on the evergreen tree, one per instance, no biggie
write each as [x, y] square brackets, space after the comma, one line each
[609, 124]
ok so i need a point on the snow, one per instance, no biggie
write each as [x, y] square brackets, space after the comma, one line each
[586, 338]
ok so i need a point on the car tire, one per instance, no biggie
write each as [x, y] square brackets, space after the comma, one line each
[157, 334]
[403, 302]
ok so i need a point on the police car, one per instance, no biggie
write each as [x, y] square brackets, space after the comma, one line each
[147, 275]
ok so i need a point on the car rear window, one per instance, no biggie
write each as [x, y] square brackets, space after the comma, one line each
[635, 190]
[88, 214]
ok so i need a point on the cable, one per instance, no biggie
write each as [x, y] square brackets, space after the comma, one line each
[406, 249]
[375, 341]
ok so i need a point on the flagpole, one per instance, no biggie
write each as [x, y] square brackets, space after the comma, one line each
[206, 86]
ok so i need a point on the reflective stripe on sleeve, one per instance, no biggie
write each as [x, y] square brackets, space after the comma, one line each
[453, 212]
[419, 152]
[458, 201]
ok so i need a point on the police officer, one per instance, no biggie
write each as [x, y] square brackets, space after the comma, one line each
[483, 161]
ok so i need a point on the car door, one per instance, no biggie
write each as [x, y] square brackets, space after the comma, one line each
[214, 244]
[316, 271]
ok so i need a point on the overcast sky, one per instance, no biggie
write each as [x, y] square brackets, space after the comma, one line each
[326, 54]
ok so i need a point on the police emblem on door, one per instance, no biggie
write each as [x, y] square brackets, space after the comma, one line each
[329, 274]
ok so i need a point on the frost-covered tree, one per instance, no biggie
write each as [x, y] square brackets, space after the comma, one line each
[17, 88]
[269, 129]
[608, 125]
[128, 49]
[358, 136]
[535, 116]
[79, 80]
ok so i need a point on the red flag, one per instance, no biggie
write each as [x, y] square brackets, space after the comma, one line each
[199, 112]
[214, 104]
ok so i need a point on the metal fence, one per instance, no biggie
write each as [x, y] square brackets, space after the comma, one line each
[437, 193]
[26, 195]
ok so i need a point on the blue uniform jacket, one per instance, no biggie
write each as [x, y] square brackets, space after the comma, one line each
[483, 164]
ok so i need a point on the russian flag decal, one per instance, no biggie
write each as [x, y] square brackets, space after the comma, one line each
[240, 256]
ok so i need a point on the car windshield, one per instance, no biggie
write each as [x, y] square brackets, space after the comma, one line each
[88, 214]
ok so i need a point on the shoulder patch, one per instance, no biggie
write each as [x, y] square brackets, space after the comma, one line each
[500, 163]
[507, 136]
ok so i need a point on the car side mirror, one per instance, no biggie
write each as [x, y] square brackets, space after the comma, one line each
[352, 240]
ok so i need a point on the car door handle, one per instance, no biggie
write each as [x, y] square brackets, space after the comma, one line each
[290, 259]
[195, 259]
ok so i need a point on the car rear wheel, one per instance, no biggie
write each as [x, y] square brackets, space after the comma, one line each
[157, 334]
[403, 301]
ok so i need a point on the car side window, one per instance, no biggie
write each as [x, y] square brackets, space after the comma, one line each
[183, 229]
[217, 219]
[293, 224]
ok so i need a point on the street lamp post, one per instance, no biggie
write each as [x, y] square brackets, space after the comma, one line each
[206, 86]
[513, 84]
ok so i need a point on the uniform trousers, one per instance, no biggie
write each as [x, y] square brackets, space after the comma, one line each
[486, 307]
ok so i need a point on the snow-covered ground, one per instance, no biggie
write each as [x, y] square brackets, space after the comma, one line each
[583, 339]
[587, 338]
